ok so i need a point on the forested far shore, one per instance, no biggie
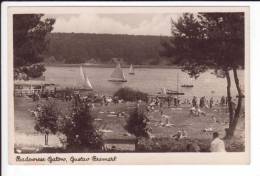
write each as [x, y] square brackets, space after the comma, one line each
[75, 48]
[110, 65]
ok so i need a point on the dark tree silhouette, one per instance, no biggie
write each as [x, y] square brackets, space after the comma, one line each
[47, 119]
[137, 123]
[210, 40]
[29, 42]
[80, 130]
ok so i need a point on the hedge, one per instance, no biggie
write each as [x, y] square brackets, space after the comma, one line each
[183, 145]
[128, 94]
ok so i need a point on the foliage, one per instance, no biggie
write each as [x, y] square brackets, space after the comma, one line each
[184, 145]
[81, 47]
[235, 145]
[172, 145]
[74, 60]
[80, 131]
[34, 71]
[29, 42]
[47, 117]
[64, 91]
[210, 40]
[137, 123]
[128, 94]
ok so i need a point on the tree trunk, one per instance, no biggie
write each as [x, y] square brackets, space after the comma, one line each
[233, 123]
[230, 108]
[232, 126]
[46, 138]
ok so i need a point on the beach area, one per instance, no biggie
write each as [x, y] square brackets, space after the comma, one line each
[109, 120]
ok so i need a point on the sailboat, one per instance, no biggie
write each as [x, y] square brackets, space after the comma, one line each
[187, 85]
[131, 70]
[118, 75]
[175, 92]
[85, 83]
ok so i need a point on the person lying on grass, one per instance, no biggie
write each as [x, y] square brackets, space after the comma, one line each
[195, 111]
[180, 134]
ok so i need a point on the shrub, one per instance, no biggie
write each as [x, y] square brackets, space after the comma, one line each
[137, 123]
[80, 131]
[172, 145]
[34, 71]
[60, 93]
[129, 94]
[183, 145]
[233, 145]
[47, 116]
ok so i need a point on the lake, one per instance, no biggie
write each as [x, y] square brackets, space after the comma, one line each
[149, 80]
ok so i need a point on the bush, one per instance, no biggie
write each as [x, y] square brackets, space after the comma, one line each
[34, 71]
[137, 123]
[183, 145]
[172, 145]
[65, 91]
[47, 117]
[233, 145]
[80, 131]
[128, 94]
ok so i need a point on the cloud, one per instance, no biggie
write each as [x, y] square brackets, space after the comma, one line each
[159, 25]
[93, 23]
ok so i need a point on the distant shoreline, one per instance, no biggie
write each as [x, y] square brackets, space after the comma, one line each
[112, 66]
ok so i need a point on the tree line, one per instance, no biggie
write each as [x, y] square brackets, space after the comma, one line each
[73, 48]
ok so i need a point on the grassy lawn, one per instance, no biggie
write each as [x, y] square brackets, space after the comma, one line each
[180, 117]
[113, 125]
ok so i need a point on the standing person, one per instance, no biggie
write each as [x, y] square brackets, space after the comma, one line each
[157, 101]
[160, 104]
[211, 101]
[38, 96]
[178, 101]
[175, 100]
[169, 101]
[217, 145]
[66, 98]
[194, 101]
[222, 101]
[202, 102]
[105, 100]
[34, 96]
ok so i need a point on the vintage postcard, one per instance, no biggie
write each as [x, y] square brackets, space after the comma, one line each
[128, 85]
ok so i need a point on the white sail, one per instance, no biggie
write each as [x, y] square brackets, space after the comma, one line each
[131, 69]
[85, 81]
[164, 91]
[118, 74]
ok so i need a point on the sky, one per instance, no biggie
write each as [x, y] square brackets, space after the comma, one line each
[133, 24]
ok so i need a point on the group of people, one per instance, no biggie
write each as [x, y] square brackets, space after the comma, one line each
[157, 101]
[203, 102]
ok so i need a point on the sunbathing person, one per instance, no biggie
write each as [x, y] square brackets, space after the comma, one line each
[197, 112]
[180, 134]
[165, 121]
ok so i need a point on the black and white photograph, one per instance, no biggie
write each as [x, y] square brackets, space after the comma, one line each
[98, 83]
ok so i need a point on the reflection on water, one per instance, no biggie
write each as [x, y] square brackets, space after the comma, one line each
[145, 79]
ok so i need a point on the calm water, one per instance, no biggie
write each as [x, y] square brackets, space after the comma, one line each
[149, 80]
